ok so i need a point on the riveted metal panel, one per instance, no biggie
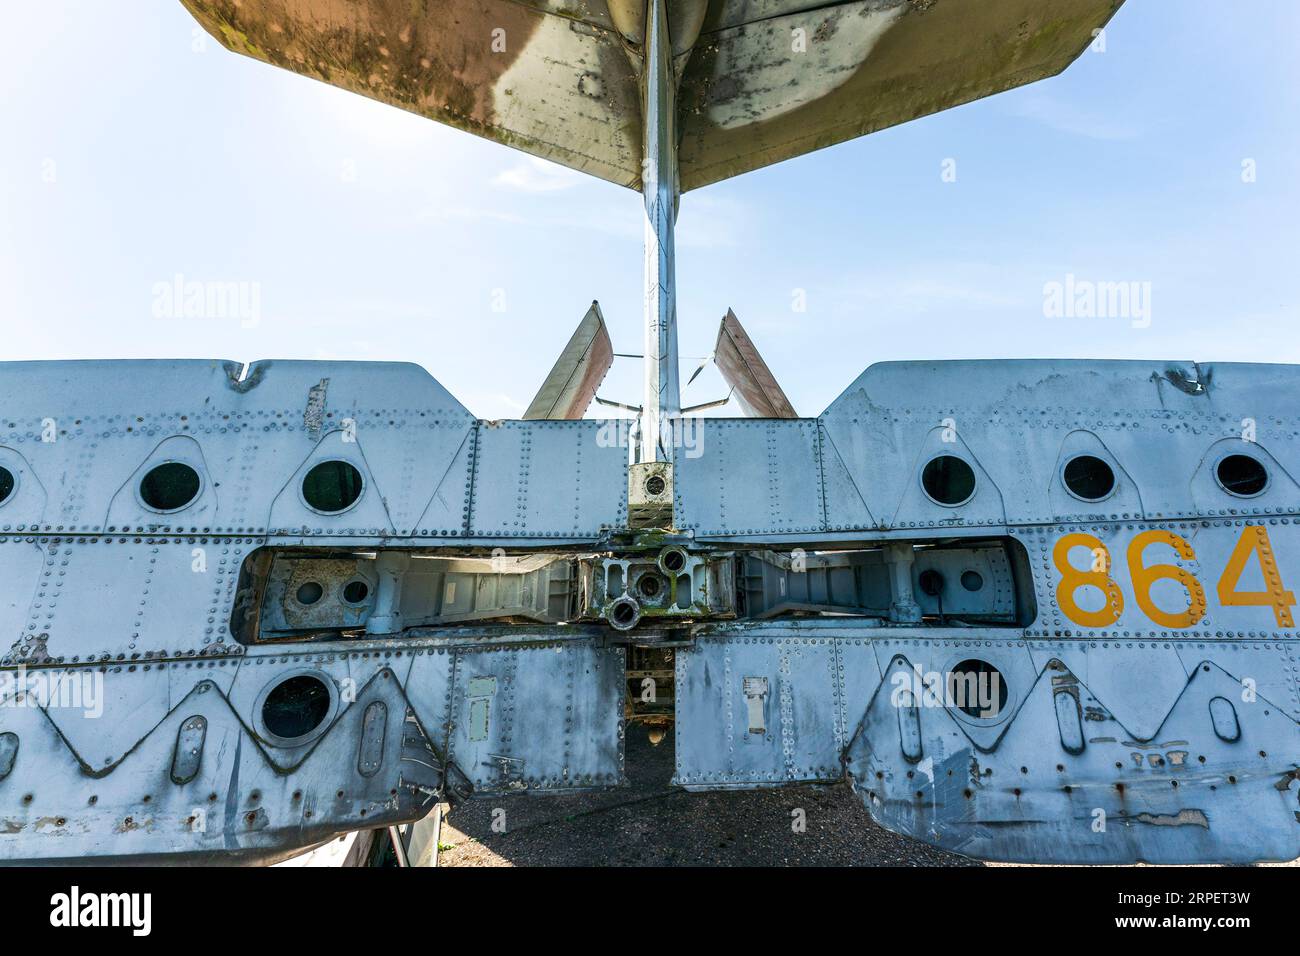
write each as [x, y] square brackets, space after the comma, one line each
[421, 464]
[844, 501]
[118, 598]
[751, 477]
[23, 563]
[239, 803]
[547, 479]
[1265, 670]
[1067, 782]
[152, 597]
[1157, 420]
[766, 709]
[102, 714]
[86, 428]
[447, 513]
[1212, 542]
[538, 718]
[25, 505]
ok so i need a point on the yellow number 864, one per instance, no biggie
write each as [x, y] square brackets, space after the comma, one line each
[1254, 539]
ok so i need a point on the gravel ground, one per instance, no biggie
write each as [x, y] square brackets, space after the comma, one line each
[651, 824]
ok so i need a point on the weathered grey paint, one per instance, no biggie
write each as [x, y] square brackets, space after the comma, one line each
[95, 583]
[1160, 726]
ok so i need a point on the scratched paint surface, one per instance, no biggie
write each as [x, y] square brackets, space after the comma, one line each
[253, 608]
[759, 82]
[97, 583]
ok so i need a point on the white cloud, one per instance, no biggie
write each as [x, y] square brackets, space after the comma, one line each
[537, 176]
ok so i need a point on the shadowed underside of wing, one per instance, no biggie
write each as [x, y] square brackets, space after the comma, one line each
[550, 78]
[755, 386]
[760, 81]
[772, 80]
[581, 367]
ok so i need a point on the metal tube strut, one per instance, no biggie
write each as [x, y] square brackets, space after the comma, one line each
[659, 188]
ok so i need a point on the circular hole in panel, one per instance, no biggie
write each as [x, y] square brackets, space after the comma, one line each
[296, 706]
[977, 689]
[169, 486]
[332, 486]
[972, 580]
[354, 592]
[310, 592]
[1088, 477]
[948, 480]
[624, 613]
[649, 585]
[673, 560]
[1242, 475]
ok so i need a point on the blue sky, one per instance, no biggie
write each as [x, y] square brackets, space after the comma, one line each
[129, 157]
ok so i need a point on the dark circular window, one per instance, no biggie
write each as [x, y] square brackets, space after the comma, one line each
[354, 592]
[1242, 475]
[649, 585]
[654, 486]
[332, 486]
[1089, 477]
[296, 706]
[310, 593]
[6, 484]
[972, 580]
[977, 689]
[948, 480]
[170, 486]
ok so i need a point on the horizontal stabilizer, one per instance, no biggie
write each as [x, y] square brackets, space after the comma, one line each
[758, 82]
[745, 371]
[572, 383]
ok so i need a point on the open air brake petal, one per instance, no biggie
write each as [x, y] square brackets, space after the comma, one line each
[748, 375]
[581, 367]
